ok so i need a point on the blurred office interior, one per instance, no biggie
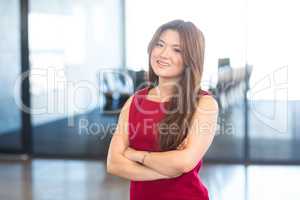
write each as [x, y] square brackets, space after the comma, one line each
[68, 66]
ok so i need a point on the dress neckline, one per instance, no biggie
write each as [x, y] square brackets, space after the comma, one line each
[202, 92]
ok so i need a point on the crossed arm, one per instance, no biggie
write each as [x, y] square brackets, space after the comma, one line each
[125, 161]
[117, 164]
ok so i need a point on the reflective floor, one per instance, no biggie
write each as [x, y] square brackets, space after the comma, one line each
[87, 180]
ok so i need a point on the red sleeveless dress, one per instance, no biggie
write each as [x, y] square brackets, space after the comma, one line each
[144, 114]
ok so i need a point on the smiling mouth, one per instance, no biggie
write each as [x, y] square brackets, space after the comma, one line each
[163, 64]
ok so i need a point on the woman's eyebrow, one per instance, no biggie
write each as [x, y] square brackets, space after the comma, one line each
[174, 45]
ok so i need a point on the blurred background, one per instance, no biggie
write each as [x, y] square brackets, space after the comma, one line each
[68, 66]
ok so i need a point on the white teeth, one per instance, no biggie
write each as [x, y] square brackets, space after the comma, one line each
[162, 63]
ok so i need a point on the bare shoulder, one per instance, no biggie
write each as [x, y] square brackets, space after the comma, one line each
[127, 104]
[123, 116]
[208, 103]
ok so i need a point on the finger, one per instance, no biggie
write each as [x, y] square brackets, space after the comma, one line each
[185, 141]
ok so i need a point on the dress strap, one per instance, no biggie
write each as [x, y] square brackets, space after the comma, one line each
[139, 95]
[203, 92]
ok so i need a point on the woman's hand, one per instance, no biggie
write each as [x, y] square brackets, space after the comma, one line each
[137, 156]
[134, 155]
[183, 144]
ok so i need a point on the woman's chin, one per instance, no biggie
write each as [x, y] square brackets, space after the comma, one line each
[161, 72]
[160, 69]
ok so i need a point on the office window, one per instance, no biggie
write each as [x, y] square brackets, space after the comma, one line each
[70, 42]
[10, 68]
[272, 49]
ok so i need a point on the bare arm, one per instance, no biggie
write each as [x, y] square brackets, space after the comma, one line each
[117, 163]
[199, 138]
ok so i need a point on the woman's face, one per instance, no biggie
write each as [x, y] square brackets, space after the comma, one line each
[166, 58]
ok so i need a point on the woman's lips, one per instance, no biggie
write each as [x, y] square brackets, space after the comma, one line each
[162, 63]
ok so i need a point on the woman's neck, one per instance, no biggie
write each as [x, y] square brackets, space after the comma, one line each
[166, 87]
[163, 91]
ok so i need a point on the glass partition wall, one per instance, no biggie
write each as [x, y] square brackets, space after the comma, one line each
[10, 69]
[273, 40]
[70, 43]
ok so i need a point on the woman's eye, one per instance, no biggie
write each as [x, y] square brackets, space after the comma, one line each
[178, 50]
[159, 45]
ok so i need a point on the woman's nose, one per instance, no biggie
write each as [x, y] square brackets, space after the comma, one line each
[165, 52]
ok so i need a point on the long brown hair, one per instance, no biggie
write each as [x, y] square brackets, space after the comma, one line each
[192, 48]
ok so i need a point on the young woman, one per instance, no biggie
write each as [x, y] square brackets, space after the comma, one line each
[165, 129]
